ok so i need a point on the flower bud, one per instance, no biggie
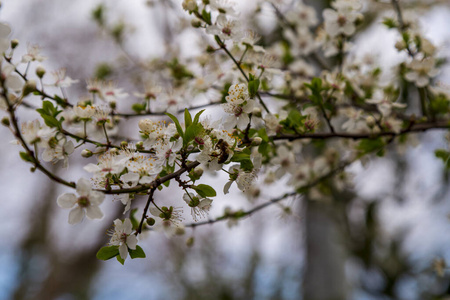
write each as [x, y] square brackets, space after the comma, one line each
[124, 144]
[86, 153]
[189, 5]
[40, 72]
[29, 87]
[5, 121]
[198, 171]
[140, 145]
[196, 23]
[190, 241]
[370, 121]
[257, 112]
[14, 43]
[151, 221]
[114, 151]
[256, 141]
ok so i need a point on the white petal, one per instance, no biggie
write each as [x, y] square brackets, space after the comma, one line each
[128, 227]
[94, 212]
[96, 197]
[76, 215]
[226, 188]
[123, 250]
[132, 241]
[66, 200]
[83, 187]
[91, 168]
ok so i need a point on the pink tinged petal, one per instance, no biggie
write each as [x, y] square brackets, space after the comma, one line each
[94, 212]
[123, 250]
[132, 241]
[66, 200]
[83, 187]
[76, 215]
[96, 198]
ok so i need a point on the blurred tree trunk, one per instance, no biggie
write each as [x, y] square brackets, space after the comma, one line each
[324, 277]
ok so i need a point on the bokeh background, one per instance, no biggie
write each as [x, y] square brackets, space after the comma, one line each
[376, 241]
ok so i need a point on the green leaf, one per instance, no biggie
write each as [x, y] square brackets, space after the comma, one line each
[177, 124]
[244, 159]
[206, 17]
[197, 116]
[120, 259]
[445, 156]
[253, 86]
[204, 190]
[137, 253]
[370, 145]
[133, 219]
[187, 118]
[26, 157]
[109, 252]
[191, 132]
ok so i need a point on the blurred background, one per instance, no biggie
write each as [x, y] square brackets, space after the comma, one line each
[386, 238]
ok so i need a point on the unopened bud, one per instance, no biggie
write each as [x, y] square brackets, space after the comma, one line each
[370, 121]
[29, 87]
[86, 153]
[140, 145]
[151, 221]
[124, 144]
[256, 141]
[5, 121]
[179, 231]
[113, 104]
[14, 43]
[190, 241]
[198, 171]
[257, 112]
[189, 5]
[40, 72]
[196, 23]
[114, 151]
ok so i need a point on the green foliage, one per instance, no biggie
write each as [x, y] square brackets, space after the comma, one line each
[204, 190]
[253, 85]
[108, 252]
[389, 23]
[179, 71]
[137, 253]
[49, 112]
[26, 157]
[139, 107]
[98, 15]
[103, 71]
[445, 156]
[366, 146]
[243, 157]
[177, 124]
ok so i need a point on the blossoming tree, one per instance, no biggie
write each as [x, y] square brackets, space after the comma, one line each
[300, 108]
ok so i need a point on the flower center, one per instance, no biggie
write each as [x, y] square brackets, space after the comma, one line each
[83, 201]
[342, 20]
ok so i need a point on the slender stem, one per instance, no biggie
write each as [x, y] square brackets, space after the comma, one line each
[144, 214]
[108, 143]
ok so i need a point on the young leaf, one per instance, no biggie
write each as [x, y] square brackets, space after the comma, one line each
[205, 190]
[120, 259]
[187, 118]
[197, 116]
[26, 157]
[109, 252]
[177, 124]
[137, 253]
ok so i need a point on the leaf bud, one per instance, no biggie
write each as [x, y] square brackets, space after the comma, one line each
[5, 121]
[40, 72]
[86, 153]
